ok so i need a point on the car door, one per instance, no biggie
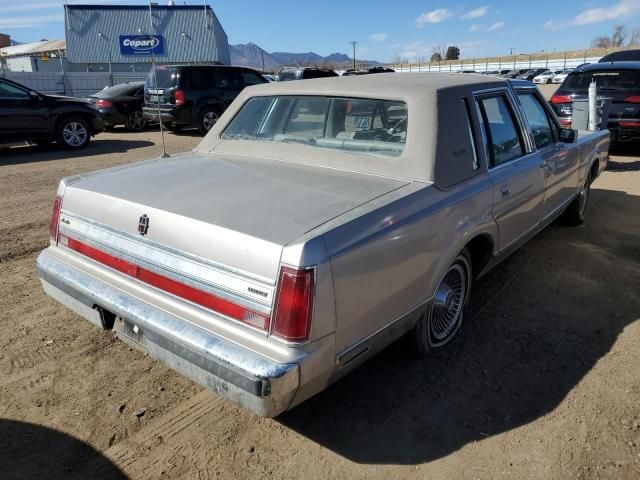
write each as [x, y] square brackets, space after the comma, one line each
[514, 168]
[560, 161]
[22, 115]
[228, 85]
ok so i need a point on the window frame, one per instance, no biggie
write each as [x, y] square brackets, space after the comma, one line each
[551, 115]
[516, 116]
[26, 92]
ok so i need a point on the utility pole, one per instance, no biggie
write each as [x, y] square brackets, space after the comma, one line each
[262, 53]
[354, 53]
[511, 50]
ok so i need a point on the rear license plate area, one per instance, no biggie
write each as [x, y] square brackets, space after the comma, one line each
[129, 332]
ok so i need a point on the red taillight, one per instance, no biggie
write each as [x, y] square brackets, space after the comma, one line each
[560, 99]
[628, 123]
[565, 121]
[294, 305]
[179, 97]
[55, 219]
[197, 296]
[104, 103]
[633, 99]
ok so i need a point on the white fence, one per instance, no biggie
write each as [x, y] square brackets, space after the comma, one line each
[77, 84]
[479, 66]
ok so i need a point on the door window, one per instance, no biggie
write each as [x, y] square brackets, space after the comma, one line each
[11, 92]
[227, 79]
[504, 136]
[251, 78]
[200, 79]
[538, 119]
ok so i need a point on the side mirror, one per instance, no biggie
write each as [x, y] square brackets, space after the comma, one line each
[34, 96]
[568, 135]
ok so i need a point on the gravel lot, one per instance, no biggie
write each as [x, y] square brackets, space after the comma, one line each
[544, 381]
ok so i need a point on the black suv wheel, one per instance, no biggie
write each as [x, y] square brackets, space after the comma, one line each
[72, 133]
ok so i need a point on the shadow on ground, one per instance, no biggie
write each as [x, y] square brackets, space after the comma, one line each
[30, 154]
[29, 451]
[538, 324]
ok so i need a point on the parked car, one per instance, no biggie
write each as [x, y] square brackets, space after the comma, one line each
[621, 56]
[121, 105]
[270, 78]
[546, 76]
[304, 73]
[515, 73]
[560, 77]
[194, 95]
[315, 224]
[618, 81]
[531, 74]
[368, 71]
[503, 73]
[26, 115]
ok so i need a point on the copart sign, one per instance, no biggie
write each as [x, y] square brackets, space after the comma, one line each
[141, 45]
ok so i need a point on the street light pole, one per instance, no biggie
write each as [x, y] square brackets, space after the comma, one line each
[354, 53]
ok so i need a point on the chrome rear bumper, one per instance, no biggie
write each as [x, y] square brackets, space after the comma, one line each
[261, 385]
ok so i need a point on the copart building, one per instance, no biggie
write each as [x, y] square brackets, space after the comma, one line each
[126, 38]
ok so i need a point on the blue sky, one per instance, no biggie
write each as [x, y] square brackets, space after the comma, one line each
[385, 29]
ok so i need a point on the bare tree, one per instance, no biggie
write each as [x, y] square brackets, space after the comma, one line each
[616, 39]
[440, 50]
[436, 57]
[634, 39]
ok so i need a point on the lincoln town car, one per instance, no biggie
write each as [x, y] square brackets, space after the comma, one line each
[316, 223]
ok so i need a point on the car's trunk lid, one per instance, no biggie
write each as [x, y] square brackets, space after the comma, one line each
[232, 211]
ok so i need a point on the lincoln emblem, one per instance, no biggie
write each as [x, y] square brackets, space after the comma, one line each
[143, 225]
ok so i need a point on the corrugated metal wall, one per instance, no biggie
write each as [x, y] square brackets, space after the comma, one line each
[191, 34]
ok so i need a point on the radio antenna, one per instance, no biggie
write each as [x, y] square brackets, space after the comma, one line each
[155, 81]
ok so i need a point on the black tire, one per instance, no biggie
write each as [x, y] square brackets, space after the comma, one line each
[576, 212]
[135, 121]
[435, 329]
[208, 118]
[72, 133]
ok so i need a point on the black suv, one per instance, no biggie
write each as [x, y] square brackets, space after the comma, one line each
[618, 81]
[26, 115]
[304, 73]
[194, 95]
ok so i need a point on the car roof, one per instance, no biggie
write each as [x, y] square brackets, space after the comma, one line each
[392, 85]
[593, 67]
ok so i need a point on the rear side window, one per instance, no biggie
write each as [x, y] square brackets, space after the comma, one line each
[10, 92]
[538, 119]
[249, 78]
[227, 79]
[163, 77]
[504, 136]
[200, 79]
[605, 80]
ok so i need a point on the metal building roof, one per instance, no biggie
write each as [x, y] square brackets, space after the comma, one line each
[190, 33]
[34, 48]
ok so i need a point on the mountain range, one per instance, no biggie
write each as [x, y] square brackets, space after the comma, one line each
[251, 55]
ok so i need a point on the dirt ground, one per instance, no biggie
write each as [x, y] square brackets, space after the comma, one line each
[544, 381]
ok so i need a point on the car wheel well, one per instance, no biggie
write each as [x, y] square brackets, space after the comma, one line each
[480, 250]
[594, 169]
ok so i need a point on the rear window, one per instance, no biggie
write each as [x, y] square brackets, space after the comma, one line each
[124, 89]
[367, 126]
[605, 80]
[162, 77]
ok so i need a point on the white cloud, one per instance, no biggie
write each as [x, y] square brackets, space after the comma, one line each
[475, 28]
[622, 10]
[434, 16]
[30, 21]
[495, 26]
[379, 37]
[475, 13]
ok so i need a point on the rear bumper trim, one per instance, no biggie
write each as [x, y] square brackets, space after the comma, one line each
[259, 384]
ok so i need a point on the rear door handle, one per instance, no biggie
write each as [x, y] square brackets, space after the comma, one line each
[505, 190]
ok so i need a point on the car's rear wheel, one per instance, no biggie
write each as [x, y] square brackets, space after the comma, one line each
[442, 320]
[576, 212]
[135, 121]
[72, 133]
[208, 118]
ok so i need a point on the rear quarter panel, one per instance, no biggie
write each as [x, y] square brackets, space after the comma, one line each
[386, 264]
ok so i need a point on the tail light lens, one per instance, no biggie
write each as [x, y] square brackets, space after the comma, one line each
[633, 99]
[104, 103]
[294, 305]
[628, 123]
[55, 220]
[179, 97]
[560, 99]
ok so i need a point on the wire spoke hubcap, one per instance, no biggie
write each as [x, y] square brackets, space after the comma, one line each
[449, 302]
[137, 121]
[210, 118]
[74, 134]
